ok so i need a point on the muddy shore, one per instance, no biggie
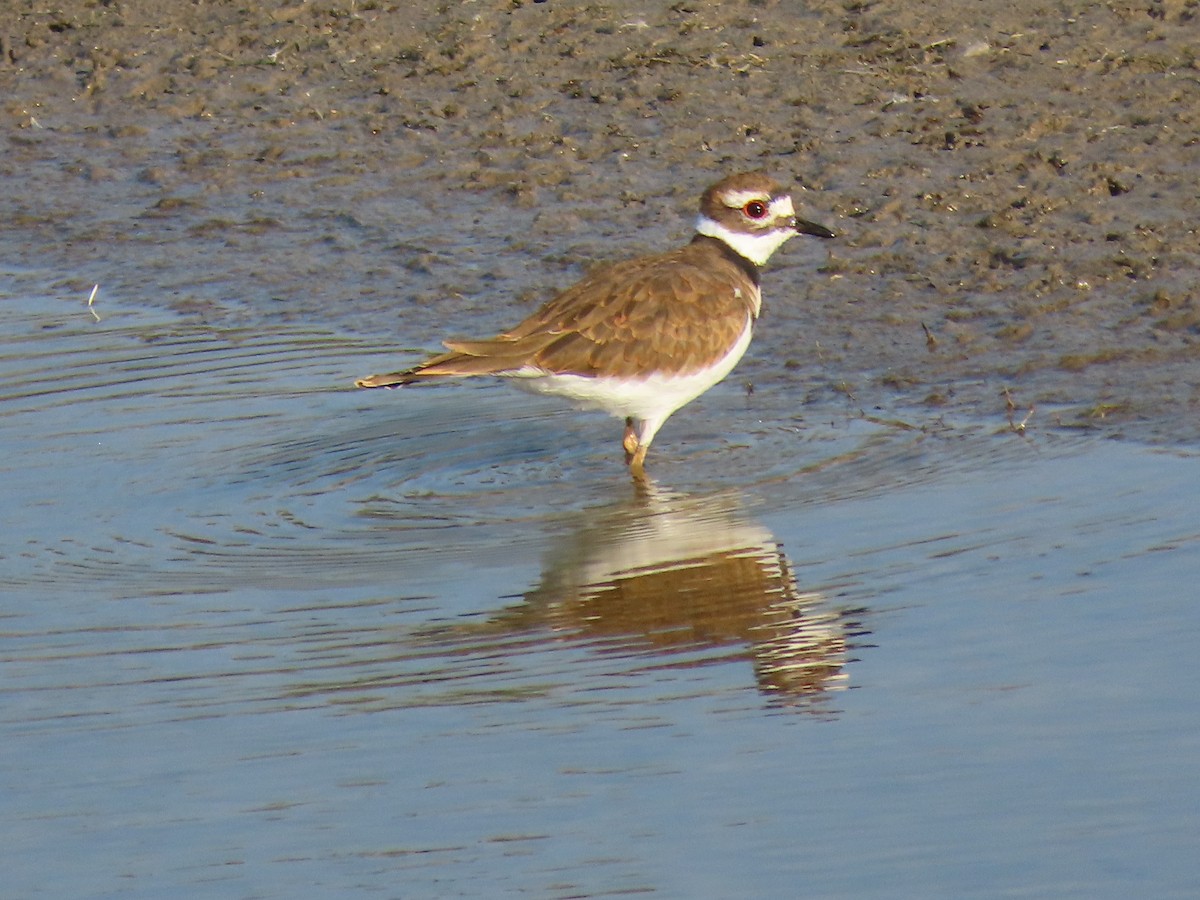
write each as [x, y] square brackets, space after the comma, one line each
[1015, 188]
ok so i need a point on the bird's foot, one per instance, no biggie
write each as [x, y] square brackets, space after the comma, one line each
[637, 468]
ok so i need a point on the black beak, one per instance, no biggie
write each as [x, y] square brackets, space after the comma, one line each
[806, 227]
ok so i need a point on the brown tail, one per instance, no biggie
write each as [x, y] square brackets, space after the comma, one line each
[391, 380]
[465, 358]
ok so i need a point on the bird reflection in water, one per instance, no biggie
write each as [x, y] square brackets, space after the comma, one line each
[689, 582]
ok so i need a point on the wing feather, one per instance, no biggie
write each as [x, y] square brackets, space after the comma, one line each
[677, 312]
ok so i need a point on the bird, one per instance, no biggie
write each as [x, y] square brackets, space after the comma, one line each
[640, 339]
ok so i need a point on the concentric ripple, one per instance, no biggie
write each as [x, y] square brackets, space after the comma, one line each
[234, 478]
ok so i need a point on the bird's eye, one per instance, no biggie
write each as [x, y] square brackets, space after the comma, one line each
[755, 209]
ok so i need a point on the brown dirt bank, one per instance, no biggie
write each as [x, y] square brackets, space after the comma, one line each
[1021, 179]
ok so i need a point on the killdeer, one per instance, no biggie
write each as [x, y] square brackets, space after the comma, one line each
[640, 339]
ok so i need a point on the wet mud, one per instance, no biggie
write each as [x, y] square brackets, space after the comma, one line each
[1014, 186]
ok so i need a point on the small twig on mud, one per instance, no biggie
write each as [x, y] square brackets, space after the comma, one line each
[1010, 408]
[930, 341]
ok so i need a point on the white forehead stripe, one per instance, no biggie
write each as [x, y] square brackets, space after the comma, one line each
[738, 199]
[781, 207]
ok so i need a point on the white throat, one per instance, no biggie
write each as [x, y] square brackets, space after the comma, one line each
[755, 247]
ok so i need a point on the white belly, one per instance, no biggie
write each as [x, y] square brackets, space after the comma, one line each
[651, 397]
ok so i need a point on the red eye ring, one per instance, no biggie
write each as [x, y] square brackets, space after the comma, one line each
[755, 209]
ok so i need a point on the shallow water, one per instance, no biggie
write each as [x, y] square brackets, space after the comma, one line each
[263, 635]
